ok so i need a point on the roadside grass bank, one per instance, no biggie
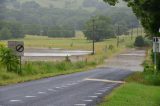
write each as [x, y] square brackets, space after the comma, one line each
[140, 89]
[37, 70]
[134, 93]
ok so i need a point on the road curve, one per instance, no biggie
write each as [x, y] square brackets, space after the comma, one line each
[79, 89]
[67, 90]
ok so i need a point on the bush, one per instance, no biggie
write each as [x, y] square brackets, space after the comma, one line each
[151, 77]
[111, 47]
[142, 42]
[139, 42]
[9, 59]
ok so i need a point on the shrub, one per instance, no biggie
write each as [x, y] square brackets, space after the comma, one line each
[153, 79]
[111, 47]
[139, 42]
[150, 75]
[142, 42]
[9, 59]
[80, 64]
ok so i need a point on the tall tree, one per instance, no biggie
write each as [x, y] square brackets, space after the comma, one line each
[2, 7]
[147, 11]
[103, 28]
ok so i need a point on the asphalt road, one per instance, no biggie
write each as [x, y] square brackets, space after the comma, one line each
[79, 89]
[67, 90]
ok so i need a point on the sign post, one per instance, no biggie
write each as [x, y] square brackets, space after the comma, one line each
[18, 49]
[156, 49]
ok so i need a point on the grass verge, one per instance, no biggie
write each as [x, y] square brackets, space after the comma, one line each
[134, 93]
[38, 70]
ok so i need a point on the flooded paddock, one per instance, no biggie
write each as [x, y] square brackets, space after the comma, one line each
[55, 54]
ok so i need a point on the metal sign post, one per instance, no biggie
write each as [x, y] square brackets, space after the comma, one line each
[18, 49]
[156, 49]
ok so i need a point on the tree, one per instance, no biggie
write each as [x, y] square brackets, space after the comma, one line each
[2, 7]
[10, 30]
[5, 33]
[147, 11]
[103, 28]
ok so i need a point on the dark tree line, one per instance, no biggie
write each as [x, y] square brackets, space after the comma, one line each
[31, 18]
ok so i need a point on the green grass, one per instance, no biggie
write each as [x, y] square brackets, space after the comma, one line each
[134, 93]
[37, 70]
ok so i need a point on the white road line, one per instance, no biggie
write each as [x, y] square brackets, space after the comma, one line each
[105, 80]
[109, 87]
[69, 84]
[51, 90]
[93, 96]
[30, 96]
[102, 90]
[88, 100]
[80, 81]
[64, 86]
[79, 104]
[15, 100]
[58, 87]
[41, 92]
[98, 93]
[74, 83]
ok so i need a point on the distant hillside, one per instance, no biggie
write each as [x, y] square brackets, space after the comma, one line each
[74, 4]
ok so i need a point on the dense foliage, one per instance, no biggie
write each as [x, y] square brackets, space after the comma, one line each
[139, 42]
[103, 28]
[10, 30]
[148, 12]
[9, 59]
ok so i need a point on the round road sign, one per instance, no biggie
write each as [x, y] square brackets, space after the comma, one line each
[19, 48]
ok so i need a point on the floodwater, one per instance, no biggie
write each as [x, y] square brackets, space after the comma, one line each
[54, 53]
[131, 59]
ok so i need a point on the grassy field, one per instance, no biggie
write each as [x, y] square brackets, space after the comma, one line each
[80, 43]
[37, 70]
